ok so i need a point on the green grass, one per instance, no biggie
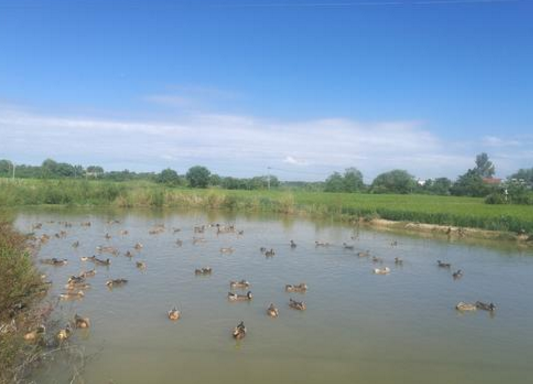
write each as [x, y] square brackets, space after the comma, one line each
[20, 286]
[442, 210]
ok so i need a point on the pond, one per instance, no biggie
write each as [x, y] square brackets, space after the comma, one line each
[358, 326]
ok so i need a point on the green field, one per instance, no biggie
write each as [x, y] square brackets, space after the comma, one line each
[443, 210]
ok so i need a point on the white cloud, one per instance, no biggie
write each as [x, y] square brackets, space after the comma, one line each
[291, 160]
[242, 145]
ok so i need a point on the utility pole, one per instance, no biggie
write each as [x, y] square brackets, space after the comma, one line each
[268, 178]
[14, 166]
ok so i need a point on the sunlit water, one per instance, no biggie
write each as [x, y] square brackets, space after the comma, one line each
[358, 327]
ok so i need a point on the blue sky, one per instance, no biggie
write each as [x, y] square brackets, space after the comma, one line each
[306, 87]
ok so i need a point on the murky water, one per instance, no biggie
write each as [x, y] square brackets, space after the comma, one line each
[358, 327]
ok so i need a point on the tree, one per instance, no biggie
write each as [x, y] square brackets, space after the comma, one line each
[470, 184]
[353, 180]
[396, 181]
[441, 186]
[484, 167]
[334, 183]
[168, 176]
[198, 176]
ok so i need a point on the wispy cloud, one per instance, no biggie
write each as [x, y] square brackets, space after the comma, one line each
[243, 145]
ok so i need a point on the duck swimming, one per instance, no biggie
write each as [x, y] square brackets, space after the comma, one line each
[243, 284]
[363, 253]
[382, 271]
[140, 264]
[236, 297]
[203, 271]
[90, 273]
[174, 314]
[55, 262]
[270, 253]
[293, 244]
[64, 333]
[272, 311]
[457, 274]
[115, 282]
[298, 305]
[464, 307]
[81, 322]
[227, 250]
[443, 265]
[485, 306]
[398, 261]
[302, 287]
[36, 334]
[348, 247]
[69, 295]
[239, 331]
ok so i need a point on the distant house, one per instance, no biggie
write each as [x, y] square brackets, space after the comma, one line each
[492, 181]
[421, 182]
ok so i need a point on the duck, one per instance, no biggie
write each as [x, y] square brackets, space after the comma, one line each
[203, 271]
[293, 244]
[90, 273]
[140, 264]
[485, 306]
[298, 305]
[236, 297]
[241, 232]
[270, 253]
[363, 253]
[243, 284]
[226, 250]
[106, 262]
[376, 259]
[64, 334]
[77, 286]
[464, 307]
[239, 331]
[124, 232]
[107, 236]
[398, 261]
[176, 230]
[394, 243]
[76, 280]
[81, 322]
[115, 282]
[75, 244]
[443, 265]
[36, 334]
[262, 249]
[321, 244]
[70, 295]
[272, 311]
[138, 246]
[302, 287]
[174, 314]
[55, 262]
[129, 254]
[348, 247]
[457, 274]
[382, 271]
[88, 258]
[179, 242]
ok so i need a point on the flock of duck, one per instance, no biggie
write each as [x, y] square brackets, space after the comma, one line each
[76, 285]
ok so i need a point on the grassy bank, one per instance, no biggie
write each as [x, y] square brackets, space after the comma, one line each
[20, 288]
[440, 210]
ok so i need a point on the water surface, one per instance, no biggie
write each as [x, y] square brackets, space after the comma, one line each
[358, 327]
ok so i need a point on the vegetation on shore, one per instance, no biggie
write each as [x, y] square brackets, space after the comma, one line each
[430, 209]
[20, 289]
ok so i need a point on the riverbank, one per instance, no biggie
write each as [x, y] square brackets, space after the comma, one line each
[445, 211]
[21, 288]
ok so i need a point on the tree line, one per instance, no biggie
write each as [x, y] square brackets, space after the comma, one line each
[476, 182]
